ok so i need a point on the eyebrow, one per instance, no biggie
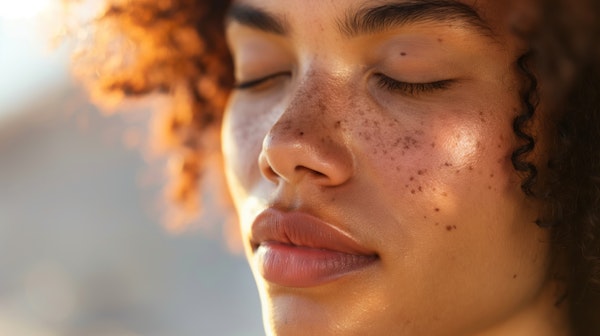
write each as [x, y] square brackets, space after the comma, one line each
[372, 20]
[257, 18]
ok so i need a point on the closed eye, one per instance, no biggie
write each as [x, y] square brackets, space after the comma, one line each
[256, 83]
[411, 89]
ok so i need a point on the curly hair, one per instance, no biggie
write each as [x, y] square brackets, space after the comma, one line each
[178, 47]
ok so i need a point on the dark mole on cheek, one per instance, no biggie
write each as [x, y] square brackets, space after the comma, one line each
[514, 276]
[437, 209]
[403, 54]
[481, 117]
[451, 227]
[421, 171]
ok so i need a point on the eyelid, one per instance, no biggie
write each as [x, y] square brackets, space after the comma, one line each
[411, 89]
[248, 84]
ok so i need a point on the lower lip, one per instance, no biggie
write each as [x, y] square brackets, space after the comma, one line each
[297, 266]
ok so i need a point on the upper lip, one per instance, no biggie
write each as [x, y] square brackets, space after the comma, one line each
[302, 229]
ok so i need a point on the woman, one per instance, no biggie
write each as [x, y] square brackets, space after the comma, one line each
[397, 167]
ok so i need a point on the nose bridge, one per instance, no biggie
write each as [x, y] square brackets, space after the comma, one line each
[307, 140]
[311, 106]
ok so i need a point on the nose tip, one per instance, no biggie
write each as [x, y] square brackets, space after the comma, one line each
[305, 157]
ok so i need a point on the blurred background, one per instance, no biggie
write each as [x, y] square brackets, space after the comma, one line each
[82, 249]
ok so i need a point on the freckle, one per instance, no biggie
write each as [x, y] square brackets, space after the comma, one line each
[397, 168]
[447, 164]
[421, 172]
[403, 54]
[454, 227]
[470, 167]
[424, 217]
[445, 194]
[499, 146]
[491, 175]
[448, 227]
[490, 187]
[437, 209]
[420, 188]
[412, 191]
[437, 224]
[337, 124]
[402, 153]
[514, 276]
[411, 178]
[433, 189]
[440, 40]
[333, 199]
[406, 186]
[458, 171]
[301, 133]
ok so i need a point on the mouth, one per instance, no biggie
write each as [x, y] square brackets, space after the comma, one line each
[295, 249]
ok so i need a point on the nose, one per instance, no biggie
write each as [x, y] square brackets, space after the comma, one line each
[307, 144]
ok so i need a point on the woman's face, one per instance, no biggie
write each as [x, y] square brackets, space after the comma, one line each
[368, 152]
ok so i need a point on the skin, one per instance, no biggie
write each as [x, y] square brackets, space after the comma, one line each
[423, 179]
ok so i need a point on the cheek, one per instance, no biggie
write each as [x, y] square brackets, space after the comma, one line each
[244, 128]
[437, 157]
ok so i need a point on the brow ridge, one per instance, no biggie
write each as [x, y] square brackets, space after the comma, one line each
[257, 18]
[370, 20]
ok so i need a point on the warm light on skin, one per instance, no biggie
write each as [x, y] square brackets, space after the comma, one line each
[424, 180]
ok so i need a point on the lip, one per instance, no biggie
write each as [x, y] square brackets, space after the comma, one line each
[295, 249]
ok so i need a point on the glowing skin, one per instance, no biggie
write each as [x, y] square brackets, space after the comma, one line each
[420, 176]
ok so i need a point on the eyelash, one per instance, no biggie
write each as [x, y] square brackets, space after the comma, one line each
[411, 89]
[383, 81]
[256, 82]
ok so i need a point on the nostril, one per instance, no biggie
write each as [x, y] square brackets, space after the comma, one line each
[306, 170]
